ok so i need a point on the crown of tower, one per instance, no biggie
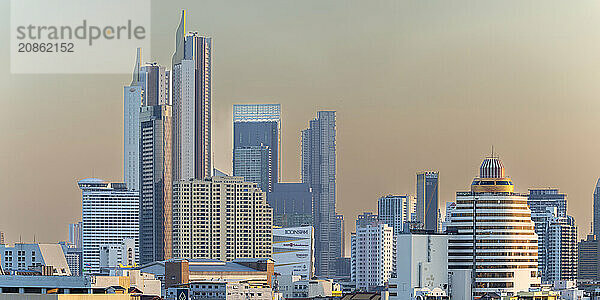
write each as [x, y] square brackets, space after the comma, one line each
[491, 167]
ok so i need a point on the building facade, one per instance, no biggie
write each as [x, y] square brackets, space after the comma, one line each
[540, 199]
[596, 223]
[427, 206]
[75, 235]
[110, 213]
[422, 263]
[258, 125]
[588, 259]
[292, 204]
[254, 164]
[506, 258]
[191, 99]
[156, 183]
[557, 245]
[319, 172]
[132, 101]
[222, 218]
[372, 255]
[34, 257]
[293, 251]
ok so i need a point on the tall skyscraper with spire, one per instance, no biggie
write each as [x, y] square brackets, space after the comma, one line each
[319, 172]
[191, 98]
[596, 221]
[132, 101]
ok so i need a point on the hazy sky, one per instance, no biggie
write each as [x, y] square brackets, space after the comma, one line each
[417, 85]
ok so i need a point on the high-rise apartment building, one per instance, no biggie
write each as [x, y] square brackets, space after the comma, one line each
[156, 183]
[110, 213]
[75, 235]
[428, 200]
[506, 259]
[319, 172]
[588, 259]
[191, 99]
[596, 223]
[557, 245]
[540, 199]
[254, 164]
[222, 218]
[372, 255]
[395, 210]
[2, 238]
[292, 204]
[257, 126]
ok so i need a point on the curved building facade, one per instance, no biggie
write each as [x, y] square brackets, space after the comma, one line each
[506, 259]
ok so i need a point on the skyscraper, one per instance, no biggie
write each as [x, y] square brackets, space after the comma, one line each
[191, 98]
[110, 213]
[596, 223]
[557, 235]
[75, 235]
[588, 259]
[395, 210]
[156, 182]
[506, 258]
[541, 199]
[149, 86]
[132, 101]
[319, 172]
[292, 204]
[234, 220]
[257, 125]
[254, 163]
[428, 200]
[372, 255]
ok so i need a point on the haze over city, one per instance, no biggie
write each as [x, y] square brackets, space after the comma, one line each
[416, 86]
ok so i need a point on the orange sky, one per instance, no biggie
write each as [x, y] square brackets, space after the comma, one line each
[417, 85]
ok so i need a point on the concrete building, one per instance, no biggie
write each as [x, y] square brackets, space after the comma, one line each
[191, 99]
[76, 235]
[294, 250]
[222, 218]
[254, 164]
[371, 255]
[113, 256]
[81, 287]
[292, 204]
[258, 127]
[48, 259]
[213, 289]
[395, 210]
[156, 183]
[427, 204]
[540, 199]
[557, 245]
[319, 172]
[132, 101]
[596, 216]
[74, 257]
[292, 287]
[507, 258]
[110, 213]
[422, 263]
[588, 259]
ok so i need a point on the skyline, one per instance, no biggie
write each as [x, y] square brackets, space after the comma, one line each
[455, 151]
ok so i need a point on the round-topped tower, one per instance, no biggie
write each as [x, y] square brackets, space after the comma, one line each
[491, 177]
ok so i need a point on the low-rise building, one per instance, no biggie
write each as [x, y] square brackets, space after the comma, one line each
[291, 286]
[220, 290]
[48, 259]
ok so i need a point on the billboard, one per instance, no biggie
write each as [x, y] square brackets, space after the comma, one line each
[293, 251]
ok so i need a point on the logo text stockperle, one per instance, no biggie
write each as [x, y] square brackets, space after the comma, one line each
[81, 32]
